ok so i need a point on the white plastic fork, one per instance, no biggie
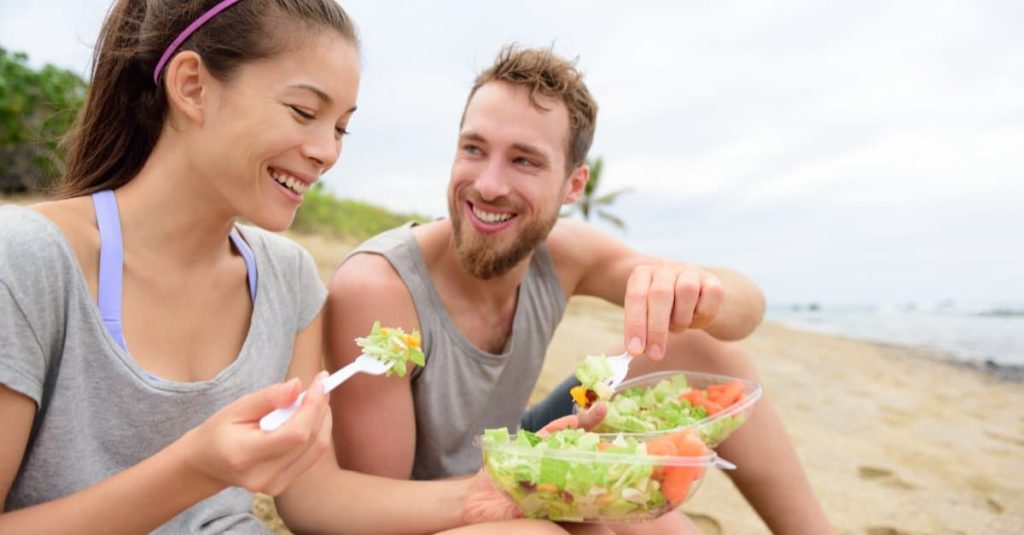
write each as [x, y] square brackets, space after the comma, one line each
[363, 363]
[620, 367]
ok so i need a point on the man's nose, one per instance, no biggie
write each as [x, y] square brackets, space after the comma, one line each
[492, 183]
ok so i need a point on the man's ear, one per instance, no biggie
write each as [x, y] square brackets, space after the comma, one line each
[577, 183]
[185, 81]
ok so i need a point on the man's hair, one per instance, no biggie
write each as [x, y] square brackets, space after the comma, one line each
[544, 72]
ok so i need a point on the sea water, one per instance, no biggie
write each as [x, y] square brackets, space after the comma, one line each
[972, 334]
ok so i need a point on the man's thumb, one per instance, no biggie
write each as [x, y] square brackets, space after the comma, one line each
[593, 416]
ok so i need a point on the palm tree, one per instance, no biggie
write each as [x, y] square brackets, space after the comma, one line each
[591, 203]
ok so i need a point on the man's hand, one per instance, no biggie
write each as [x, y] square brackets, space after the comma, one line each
[587, 419]
[664, 297]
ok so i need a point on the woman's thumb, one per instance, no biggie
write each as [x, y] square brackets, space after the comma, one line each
[255, 405]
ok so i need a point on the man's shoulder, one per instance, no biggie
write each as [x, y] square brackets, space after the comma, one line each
[571, 242]
[366, 272]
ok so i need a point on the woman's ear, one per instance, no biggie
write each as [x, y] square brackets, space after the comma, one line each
[186, 80]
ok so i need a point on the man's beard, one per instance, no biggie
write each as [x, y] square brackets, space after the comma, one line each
[481, 257]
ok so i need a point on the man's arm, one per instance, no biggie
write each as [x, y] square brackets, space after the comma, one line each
[659, 295]
[374, 421]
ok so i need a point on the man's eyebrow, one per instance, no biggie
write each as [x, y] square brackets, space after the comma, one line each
[320, 94]
[530, 150]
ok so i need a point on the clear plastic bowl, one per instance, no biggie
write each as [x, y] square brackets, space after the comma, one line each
[594, 486]
[713, 429]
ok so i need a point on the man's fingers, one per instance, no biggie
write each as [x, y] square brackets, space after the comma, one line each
[712, 293]
[570, 421]
[687, 292]
[635, 303]
[660, 297]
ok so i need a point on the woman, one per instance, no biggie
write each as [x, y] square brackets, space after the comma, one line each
[144, 333]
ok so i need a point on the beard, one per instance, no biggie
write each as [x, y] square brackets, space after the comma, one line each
[482, 255]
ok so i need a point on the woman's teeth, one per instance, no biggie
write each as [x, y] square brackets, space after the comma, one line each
[488, 217]
[288, 181]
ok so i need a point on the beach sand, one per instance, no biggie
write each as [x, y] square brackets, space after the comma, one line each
[894, 440]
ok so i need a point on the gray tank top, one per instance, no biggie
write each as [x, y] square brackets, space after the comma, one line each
[463, 390]
[99, 412]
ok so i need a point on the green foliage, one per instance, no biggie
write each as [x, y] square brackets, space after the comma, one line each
[323, 213]
[592, 203]
[37, 107]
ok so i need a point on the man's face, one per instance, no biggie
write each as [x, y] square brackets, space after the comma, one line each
[508, 178]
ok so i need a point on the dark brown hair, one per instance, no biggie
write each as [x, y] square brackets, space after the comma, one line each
[542, 71]
[124, 110]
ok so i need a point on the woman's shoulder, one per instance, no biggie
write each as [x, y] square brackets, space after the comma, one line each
[276, 252]
[52, 234]
[30, 240]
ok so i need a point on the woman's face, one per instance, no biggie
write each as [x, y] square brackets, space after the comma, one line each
[272, 130]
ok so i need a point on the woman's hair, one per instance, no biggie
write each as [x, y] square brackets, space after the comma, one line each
[124, 110]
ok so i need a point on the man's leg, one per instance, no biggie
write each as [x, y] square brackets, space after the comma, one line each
[769, 475]
[557, 404]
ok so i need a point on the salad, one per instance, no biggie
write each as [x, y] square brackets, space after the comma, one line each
[593, 376]
[716, 410]
[393, 346]
[577, 475]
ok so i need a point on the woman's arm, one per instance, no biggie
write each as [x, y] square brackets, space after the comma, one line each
[226, 450]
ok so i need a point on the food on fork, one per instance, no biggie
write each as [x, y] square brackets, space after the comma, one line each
[394, 347]
[593, 375]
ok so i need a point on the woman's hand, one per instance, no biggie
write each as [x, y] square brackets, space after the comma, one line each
[229, 449]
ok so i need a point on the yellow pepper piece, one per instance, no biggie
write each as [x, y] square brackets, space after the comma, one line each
[579, 395]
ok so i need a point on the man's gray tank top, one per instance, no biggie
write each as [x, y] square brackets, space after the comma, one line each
[463, 390]
[99, 412]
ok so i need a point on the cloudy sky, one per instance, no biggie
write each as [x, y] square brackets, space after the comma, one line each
[872, 152]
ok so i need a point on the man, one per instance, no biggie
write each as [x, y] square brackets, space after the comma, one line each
[488, 287]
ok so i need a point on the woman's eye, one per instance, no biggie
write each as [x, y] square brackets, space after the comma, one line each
[302, 113]
[339, 132]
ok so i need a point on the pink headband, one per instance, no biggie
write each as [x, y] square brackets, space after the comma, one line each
[187, 32]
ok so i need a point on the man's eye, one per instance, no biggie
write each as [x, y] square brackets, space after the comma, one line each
[524, 161]
[302, 113]
[471, 149]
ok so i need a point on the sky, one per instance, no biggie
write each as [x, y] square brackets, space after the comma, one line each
[839, 153]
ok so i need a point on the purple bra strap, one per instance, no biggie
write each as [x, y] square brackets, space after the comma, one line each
[250, 261]
[112, 263]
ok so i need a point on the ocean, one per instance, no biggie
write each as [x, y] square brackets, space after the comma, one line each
[976, 334]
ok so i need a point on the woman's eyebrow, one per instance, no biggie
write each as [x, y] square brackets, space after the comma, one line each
[320, 94]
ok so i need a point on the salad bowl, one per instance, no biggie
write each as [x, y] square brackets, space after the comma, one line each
[574, 475]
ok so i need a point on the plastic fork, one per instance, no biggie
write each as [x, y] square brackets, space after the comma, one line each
[363, 363]
[620, 367]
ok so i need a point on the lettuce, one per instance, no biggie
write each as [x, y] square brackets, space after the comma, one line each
[566, 475]
[394, 347]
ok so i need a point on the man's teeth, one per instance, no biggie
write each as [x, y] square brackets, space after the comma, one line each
[488, 217]
[289, 181]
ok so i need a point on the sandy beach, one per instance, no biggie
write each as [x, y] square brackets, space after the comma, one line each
[894, 440]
